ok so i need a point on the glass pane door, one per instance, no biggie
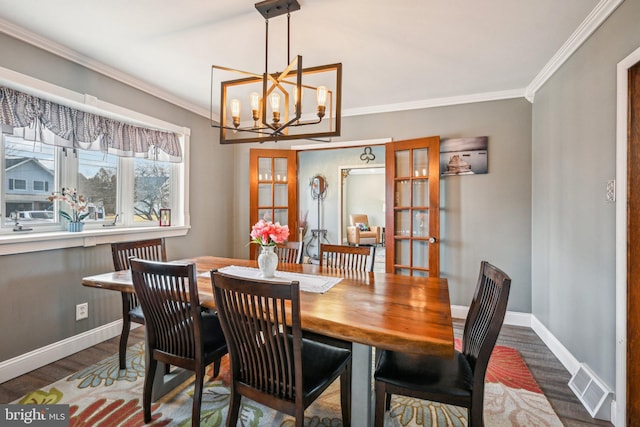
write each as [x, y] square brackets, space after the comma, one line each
[413, 175]
[273, 189]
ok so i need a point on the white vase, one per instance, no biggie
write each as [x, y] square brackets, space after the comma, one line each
[75, 227]
[268, 261]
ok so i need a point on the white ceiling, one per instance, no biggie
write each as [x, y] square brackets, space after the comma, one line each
[395, 55]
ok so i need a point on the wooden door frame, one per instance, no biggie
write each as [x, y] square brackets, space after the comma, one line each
[432, 143]
[622, 248]
[292, 189]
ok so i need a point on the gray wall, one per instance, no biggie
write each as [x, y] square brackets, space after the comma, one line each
[40, 289]
[574, 145]
[484, 217]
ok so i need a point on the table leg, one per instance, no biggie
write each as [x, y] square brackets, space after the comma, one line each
[362, 403]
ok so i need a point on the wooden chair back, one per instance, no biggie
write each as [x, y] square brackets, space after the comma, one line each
[484, 321]
[290, 252]
[152, 249]
[168, 294]
[359, 258]
[265, 351]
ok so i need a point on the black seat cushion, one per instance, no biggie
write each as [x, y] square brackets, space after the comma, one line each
[135, 314]
[212, 334]
[321, 364]
[428, 374]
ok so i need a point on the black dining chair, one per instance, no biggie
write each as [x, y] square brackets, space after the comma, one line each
[458, 381]
[271, 362]
[178, 331]
[360, 258]
[151, 249]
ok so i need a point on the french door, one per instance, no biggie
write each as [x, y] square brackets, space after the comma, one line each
[273, 190]
[412, 232]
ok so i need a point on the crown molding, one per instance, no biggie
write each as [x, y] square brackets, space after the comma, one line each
[435, 102]
[591, 23]
[38, 41]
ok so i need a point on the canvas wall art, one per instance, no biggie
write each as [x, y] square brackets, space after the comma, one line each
[464, 156]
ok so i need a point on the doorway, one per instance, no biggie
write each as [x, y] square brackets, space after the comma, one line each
[362, 191]
[628, 241]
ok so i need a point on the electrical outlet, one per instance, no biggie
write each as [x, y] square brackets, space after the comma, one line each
[82, 311]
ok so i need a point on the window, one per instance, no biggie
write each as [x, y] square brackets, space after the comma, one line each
[40, 186]
[17, 184]
[31, 170]
[120, 191]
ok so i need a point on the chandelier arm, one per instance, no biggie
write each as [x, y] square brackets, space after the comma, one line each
[250, 130]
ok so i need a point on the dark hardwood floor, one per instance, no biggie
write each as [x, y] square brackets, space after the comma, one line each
[547, 370]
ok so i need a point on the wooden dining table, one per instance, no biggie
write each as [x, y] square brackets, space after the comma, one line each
[368, 310]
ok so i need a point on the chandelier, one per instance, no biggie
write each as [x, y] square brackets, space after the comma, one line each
[295, 103]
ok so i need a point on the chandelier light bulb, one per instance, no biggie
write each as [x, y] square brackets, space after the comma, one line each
[255, 100]
[275, 106]
[235, 112]
[275, 102]
[255, 105]
[321, 94]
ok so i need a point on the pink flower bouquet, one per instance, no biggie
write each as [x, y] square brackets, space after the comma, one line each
[266, 233]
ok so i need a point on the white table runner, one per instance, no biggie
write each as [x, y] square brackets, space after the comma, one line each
[308, 282]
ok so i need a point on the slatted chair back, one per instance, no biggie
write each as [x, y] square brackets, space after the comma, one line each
[485, 318]
[290, 252]
[168, 294]
[265, 353]
[359, 258]
[271, 362]
[151, 249]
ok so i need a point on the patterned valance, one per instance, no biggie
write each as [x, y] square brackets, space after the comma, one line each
[79, 129]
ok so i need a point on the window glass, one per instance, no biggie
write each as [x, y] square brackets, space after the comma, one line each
[29, 170]
[152, 189]
[98, 182]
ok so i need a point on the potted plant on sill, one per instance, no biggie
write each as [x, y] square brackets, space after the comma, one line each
[78, 205]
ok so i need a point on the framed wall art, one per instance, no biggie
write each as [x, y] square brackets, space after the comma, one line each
[165, 217]
[464, 156]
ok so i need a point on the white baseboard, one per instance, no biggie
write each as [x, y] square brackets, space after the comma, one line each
[560, 351]
[513, 318]
[37, 358]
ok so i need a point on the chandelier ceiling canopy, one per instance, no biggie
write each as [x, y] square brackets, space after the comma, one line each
[295, 103]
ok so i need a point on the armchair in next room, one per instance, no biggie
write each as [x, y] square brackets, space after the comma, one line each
[360, 232]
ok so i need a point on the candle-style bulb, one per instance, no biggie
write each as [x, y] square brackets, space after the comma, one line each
[321, 94]
[255, 105]
[235, 112]
[275, 106]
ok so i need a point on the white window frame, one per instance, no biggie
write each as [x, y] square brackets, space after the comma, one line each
[39, 240]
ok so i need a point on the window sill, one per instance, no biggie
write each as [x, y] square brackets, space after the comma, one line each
[30, 241]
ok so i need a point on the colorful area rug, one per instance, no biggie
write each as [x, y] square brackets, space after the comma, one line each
[102, 395]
